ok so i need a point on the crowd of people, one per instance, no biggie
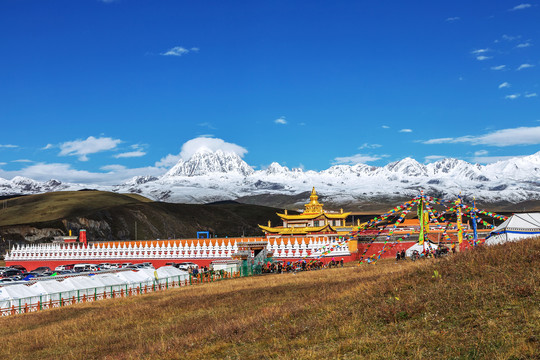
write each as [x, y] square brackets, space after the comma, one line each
[428, 252]
[279, 267]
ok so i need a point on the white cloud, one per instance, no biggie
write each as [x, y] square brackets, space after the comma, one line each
[498, 67]
[8, 146]
[213, 144]
[113, 167]
[47, 147]
[512, 96]
[356, 159]
[195, 49]
[524, 66]
[504, 85]
[482, 57]
[479, 51]
[207, 125]
[432, 158]
[202, 142]
[92, 145]
[3, 163]
[369, 146]
[523, 45]
[168, 161]
[405, 131]
[500, 138]
[22, 161]
[438, 141]
[454, 18]
[178, 51]
[481, 153]
[530, 95]
[510, 37]
[281, 120]
[520, 7]
[385, 127]
[130, 154]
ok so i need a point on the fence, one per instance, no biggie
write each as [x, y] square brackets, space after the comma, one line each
[70, 297]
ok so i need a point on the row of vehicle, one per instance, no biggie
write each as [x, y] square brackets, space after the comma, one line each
[19, 272]
[102, 266]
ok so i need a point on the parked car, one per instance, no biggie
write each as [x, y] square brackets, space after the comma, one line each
[187, 265]
[20, 267]
[42, 269]
[104, 266]
[82, 267]
[115, 266]
[10, 273]
[64, 267]
[147, 265]
[125, 265]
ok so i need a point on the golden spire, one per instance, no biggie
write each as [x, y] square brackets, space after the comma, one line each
[313, 207]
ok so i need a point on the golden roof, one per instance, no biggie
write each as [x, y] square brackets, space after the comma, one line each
[313, 209]
[297, 230]
[305, 216]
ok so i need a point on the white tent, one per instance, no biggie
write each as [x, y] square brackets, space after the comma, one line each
[420, 247]
[111, 282]
[53, 290]
[17, 295]
[86, 285]
[170, 271]
[166, 274]
[516, 227]
[135, 278]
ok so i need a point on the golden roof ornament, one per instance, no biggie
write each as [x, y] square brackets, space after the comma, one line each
[313, 207]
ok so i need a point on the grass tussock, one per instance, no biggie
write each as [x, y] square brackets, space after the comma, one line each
[481, 304]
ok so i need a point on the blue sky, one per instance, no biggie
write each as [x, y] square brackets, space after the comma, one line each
[99, 91]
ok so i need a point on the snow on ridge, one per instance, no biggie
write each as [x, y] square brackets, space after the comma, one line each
[211, 176]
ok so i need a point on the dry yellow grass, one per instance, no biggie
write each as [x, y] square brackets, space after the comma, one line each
[484, 305]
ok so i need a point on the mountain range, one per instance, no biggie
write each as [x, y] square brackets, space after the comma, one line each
[210, 176]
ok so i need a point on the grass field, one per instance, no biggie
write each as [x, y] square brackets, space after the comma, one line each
[481, 304]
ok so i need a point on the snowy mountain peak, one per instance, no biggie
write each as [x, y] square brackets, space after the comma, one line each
[206, 161]
[407, 167]
[276, 168]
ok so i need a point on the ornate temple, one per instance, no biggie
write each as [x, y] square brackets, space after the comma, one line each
[313, 222]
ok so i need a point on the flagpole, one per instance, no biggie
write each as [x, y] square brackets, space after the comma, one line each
[473, 217]
[420, 213]
[458, 221]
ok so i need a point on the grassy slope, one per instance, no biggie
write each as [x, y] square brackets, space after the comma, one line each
[57, 205]
[121, 211]
[484, 306]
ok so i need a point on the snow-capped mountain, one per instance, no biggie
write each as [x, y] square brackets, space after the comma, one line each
[206, 161]
[212, 176]
[22, 185]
